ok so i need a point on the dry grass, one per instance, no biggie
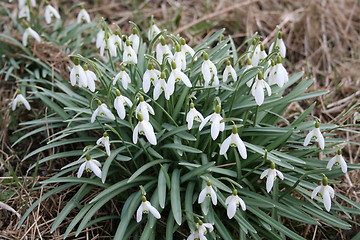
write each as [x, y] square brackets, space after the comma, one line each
[322, 37]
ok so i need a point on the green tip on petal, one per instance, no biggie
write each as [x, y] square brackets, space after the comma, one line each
[317, 124]
[88, 157]
[143, 198]
[192, 105]
[234, 129]
[163, 75]
[272, 165]
[162, 41]
[173, 64]
[279, 35]
[279, 59]
[325, 181]
[209, 183]
[118, 93]
[206, 56]
[140, 117]
[339, 152]
[218, 109]
[228, 62]
[260, 75]
[235, 192]
[134, 31]
[262, 47]
[182, 41]
[178, 48]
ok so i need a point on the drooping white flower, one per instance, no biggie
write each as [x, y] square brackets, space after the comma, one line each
[180, 58]
[326, 191]
[146, 207]
[153, 31]
[78, 74]
[134, 40]
[208, 191]
[271, 174]
[194, 236]
[316, 134]
[280, 45]
[20, 99]
[90, 78]
[229, 71]
[162, 86]
[124, 77]
[119, 104]
[50, 11]
[163, 50]
[251, 48]
[83, 15]
[105, 141]
[186, 49]
[102, 110]
[100, 38]
[151, 75]
[233, 202]
[144, 128]
[259, 54]
[115, 41]
[215, 121]
[90, 165]
[30, 32]
[209, 72]
[278, 74]
[338, 158]
[202, 229]
[356, 117]
[177, 75]
[129, 55]
[22, 3]
[144, 108]
[258, 87]
[234, 141]
[24, 12]
[192, 115]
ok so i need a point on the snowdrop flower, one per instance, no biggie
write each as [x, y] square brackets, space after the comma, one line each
[161, 86]
[100, 37]
[104, 141]
[124, 77]
[215, 121]
[78, 74]
[278, 74]
[271, 174]
[192, 115]
[258, 87]
[356, 117]
[26, 2]
[146, 207]
[115, 40]
[30, 32]
[180, 58]
[90, 78]
[83, 15]
[208, 191]
[234, 141]
[280, 45]
[144, 128]
[162, 50]
[259, 54]
[194, 236]
[153, 31]
[134, 40]
[90, 165]
[229, 70]
[24, 12]
[186, 49]
[326, 191]
[50, 11]
[19, 99]
[339, 160]
[175, 76]
[209, 72]
[315, 133]
[233, 202]
[109, 45]
[129, 55]
[251, 48]
[144, 108]
[102, 109]
[120, 102]
[151, 75]
[202, 228]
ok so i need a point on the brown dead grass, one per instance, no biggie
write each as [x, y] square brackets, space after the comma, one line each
[322, 37]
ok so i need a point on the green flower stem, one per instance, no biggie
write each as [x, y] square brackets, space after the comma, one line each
[111, 61]
[253, 169]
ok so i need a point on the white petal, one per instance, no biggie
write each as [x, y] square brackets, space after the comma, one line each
[240, 146]
[95, 169]
[202, 195]
[149, 132]
[231, 209]
[259, 95]
[270, 180]
[157, 91]
[264, 173]
[139, 212]
[326, 199]
[308, 137]
[331, 162]
[213, 195]
[209, 226]
[204, 122]
[342, 163]
[81, 169]
[154, 212]
[215, 129]
[315, 191]
[242, 203]
[94, 115]
[108, 113]
[136, 134]
[279, 174]
[225, 145]
[320, 138]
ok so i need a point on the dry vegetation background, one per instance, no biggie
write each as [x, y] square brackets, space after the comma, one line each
[322, 37]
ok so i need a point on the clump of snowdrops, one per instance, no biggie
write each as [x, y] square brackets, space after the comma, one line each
[189, 141]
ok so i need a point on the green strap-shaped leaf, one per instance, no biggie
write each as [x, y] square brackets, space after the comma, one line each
[175, 196]
[145, 167]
